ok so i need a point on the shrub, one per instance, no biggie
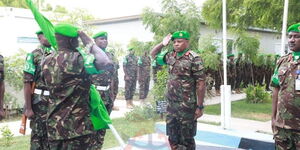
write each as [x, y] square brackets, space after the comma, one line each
[257, 94]
[140, 113]
[7, 136]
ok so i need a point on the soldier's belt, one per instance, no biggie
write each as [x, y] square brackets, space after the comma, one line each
[41, 92]
[102, 88]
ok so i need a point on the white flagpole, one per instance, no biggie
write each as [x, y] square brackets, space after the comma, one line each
[117, 136]
[284, 26]
[226, 89]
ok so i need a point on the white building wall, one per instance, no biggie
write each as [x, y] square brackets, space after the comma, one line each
[17, 30]
[123, 32]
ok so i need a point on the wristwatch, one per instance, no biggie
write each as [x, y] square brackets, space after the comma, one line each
[200, 107]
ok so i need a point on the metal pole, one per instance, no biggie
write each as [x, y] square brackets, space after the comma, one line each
[226, 90]
[284, 26]
[117, 136]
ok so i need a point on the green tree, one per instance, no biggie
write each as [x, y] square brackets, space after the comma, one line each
[60, 9]
[139, 46]
[14, 69]
[242, 14]
[76, 17]
[175, 16]
[248, 45]
[13, 3]
[207, 50]
[116, 49]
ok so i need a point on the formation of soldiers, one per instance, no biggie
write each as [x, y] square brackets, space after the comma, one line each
[242, 72]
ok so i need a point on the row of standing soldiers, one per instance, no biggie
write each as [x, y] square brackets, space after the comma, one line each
[241, 72]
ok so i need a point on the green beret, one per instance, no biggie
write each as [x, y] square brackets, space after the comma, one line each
[181, 35]
[294, 28]
[100, 34]
[66, 30]
[39, 32]
[130, 48]
[230, 55]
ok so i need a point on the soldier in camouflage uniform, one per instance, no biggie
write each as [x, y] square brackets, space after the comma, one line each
[218, 76]
[239, 73]
[286, 95]
[2, 87]
[130, 71]
[115, 81]
[231, 73]
[185, 89]
[103, 81]
[144, 65]
[36, 94]
[68, 123]
[155, 68]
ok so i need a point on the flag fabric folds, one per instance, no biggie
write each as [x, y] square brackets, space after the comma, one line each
[45, 25]
[99, 115]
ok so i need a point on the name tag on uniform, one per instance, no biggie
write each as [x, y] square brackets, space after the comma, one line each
[297, 84]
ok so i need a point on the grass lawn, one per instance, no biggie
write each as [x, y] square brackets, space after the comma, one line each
[125, 128]
[242, 109]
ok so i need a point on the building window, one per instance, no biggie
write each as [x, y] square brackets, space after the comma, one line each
[27, 40]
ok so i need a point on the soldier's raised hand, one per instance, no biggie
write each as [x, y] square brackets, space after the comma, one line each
[167, 39]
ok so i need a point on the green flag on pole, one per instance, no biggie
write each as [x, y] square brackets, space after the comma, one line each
[45, 25]
[99, 115]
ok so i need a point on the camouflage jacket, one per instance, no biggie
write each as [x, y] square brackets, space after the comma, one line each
[1, 68]
[144, 66]
[39, 56]
[184, 73]
[69, 84]
[288, 105]
[231, 69]
[103, 79]
[130, 65]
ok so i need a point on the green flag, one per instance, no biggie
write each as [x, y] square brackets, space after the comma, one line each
[45, 25]
[99, 115]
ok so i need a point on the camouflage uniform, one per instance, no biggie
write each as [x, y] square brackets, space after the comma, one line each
[103, 85]
[39, 101]
[115, 80]
[130, 69]
[287, 121]
[144, 75]
[1, 68]
[155, 69]
[218, 76]
[184, 72]
[2, 87]
[231, 73]
[239, 73]
[68, 123]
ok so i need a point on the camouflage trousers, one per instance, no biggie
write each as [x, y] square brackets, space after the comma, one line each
[130, 86]
[39, 139]
[181, 127]
[86, 142]
[109, 105]
[144, 87]
[286, 139]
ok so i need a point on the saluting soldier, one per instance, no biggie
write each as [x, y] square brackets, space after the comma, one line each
[69, 125]
[185, 89]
